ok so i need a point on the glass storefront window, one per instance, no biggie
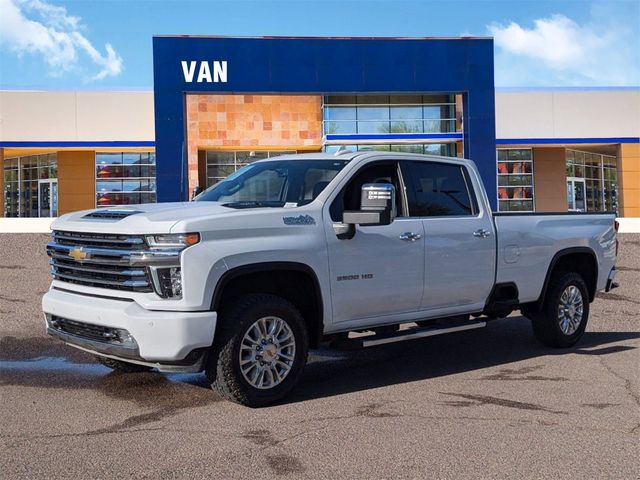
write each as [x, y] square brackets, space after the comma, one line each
[515, 180]
[405, 113]
[441, 149]
[371, 114]
[125, 178]
[222, 164]
[30, 186]
[599, 175]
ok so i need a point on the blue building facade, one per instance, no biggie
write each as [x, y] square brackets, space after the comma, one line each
[332, 68]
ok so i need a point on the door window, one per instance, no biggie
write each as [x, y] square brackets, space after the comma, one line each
[438, 189]
[379, 172]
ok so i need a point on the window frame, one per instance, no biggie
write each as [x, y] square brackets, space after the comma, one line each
[28, 170]
[358, 104]
[500, 201]
[466, 178]
[603, 179]
[147, 160]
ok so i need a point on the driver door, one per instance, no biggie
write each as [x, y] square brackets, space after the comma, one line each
[378, 272]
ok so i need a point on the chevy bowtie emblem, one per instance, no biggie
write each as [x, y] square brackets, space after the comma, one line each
[78, 255]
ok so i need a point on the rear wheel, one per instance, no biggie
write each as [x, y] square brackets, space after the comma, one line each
[565, 312]
[260, 351]
[120, 366]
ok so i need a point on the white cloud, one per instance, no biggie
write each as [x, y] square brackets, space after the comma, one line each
[557, 50]
[38, 27]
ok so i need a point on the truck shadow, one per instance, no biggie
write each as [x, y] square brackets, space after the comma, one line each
[45, 363]
[502, 342]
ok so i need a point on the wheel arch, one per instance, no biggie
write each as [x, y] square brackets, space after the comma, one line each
[281, 276]
[572, 257]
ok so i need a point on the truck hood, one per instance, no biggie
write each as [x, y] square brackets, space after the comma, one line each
[140, 219]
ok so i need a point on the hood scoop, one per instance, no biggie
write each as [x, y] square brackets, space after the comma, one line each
[111, 214]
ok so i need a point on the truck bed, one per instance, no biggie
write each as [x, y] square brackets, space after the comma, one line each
[527, 244]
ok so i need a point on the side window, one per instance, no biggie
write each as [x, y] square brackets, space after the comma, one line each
[315, 180]
[349, 197]
[437, 190]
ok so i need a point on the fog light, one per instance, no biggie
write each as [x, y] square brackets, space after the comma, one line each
[169, 282]
[125, 338]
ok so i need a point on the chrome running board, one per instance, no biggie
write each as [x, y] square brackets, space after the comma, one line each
[410, 334]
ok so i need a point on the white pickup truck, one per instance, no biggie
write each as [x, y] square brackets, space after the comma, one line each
[294, 251]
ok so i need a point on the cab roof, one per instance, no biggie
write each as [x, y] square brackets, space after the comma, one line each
[350, 155]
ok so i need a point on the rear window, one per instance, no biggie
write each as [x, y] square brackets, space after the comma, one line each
[437, 190]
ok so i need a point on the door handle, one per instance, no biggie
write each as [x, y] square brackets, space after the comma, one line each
[481, 233]
[410, 236]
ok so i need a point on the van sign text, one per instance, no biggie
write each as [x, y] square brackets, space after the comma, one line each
[204, 72]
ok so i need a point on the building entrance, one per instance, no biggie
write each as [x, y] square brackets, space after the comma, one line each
[576, 188]
[47, 198]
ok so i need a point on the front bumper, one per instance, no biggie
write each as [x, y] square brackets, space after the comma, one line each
[170, 341]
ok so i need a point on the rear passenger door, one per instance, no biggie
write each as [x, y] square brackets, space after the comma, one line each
[459, 235]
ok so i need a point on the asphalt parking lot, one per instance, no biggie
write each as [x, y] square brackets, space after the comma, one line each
[489, 403]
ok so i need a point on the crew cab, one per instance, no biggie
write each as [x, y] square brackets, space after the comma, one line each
[354, 249]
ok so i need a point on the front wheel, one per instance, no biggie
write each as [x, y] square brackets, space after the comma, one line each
[565, 312]
[260, 352]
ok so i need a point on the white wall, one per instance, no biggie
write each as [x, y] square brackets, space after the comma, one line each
[568, 114]
[76, 116]
[128, 116]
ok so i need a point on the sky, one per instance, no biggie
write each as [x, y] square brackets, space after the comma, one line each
[107, 44]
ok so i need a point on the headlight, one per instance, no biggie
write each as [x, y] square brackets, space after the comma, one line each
[173, 240]
[168, 282]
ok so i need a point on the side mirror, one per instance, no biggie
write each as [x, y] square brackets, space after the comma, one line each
[377, 206]
[196, 191]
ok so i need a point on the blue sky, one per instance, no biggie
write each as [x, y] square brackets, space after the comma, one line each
[100, 44]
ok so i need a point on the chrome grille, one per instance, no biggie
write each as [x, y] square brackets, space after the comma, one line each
[99, 260]
[76, 239]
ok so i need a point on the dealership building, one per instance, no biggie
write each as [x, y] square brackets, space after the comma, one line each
[220, 103]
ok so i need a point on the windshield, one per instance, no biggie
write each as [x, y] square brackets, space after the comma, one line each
[274, 183]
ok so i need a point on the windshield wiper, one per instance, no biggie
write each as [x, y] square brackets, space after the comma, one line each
[250, 204]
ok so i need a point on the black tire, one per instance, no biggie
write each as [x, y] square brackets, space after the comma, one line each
[223, 369]
[546, 323]
[122, 367]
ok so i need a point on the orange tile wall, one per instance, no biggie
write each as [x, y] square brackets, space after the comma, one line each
[629, 179]
[251, 122]
[76, 181]
[550, 179]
